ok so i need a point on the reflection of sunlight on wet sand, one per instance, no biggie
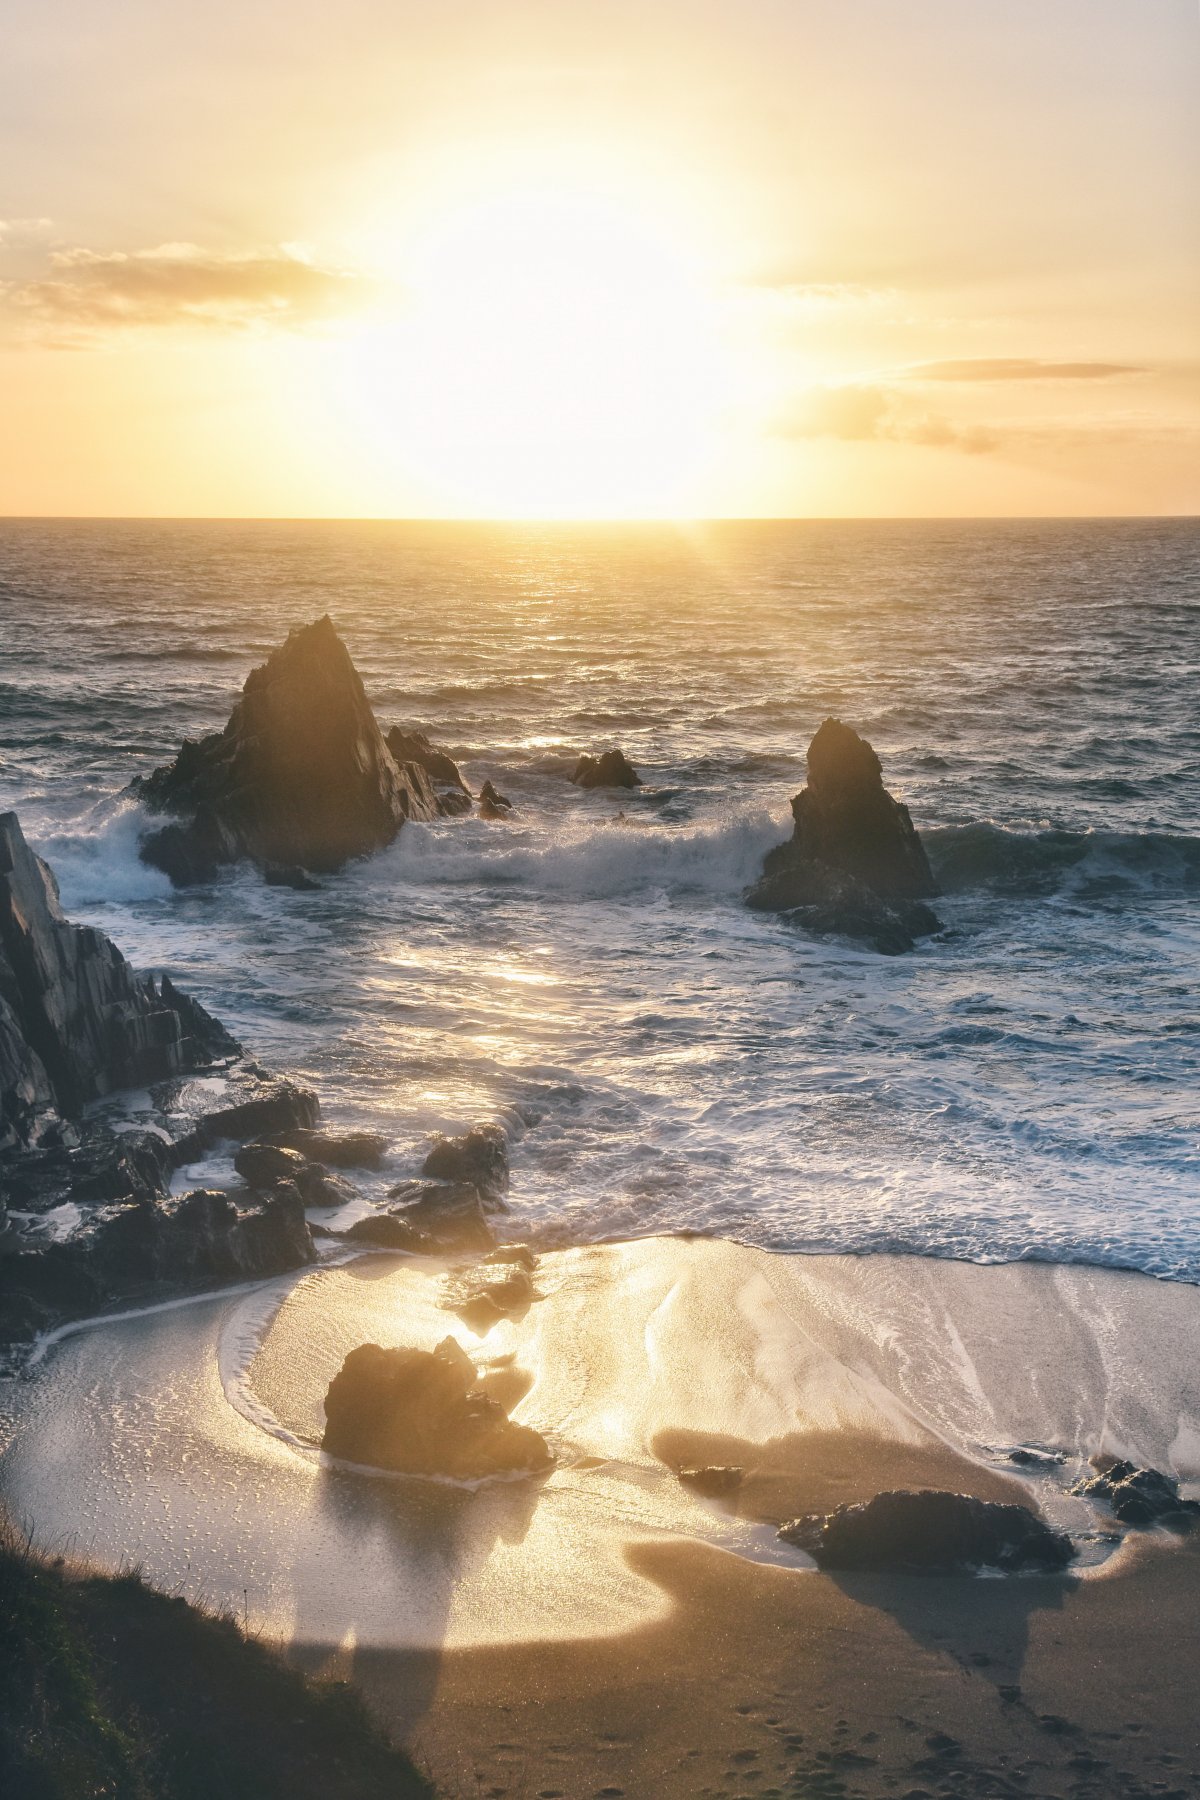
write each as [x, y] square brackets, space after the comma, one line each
[202, 1458]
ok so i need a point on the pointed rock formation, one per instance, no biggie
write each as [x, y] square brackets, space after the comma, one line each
[300, 778]
[76, 1022]
[854, 864]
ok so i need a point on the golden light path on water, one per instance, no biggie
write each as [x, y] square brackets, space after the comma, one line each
[186, 1437]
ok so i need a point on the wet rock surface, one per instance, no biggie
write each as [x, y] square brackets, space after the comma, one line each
[336, 1149]
[493, 805]
[412, 749]
[450, 1214]
[479, 1156]
[854, 865]
[76, 1022]
[300, 780]
[495, 1289]
[933, 1533]
[264, 1166]
[611, 769]
[1139, 1496]
[421, 1412]
[714, 1481]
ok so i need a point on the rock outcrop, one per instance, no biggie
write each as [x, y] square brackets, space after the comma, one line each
[412, 749]
[854, 864]
[266, 1167]
[493, 805]
[931, 1533]
[421, 1412]
[1139, 1496]
[479, 1157]
[76, 1022]
[611, 769]
[299, 780]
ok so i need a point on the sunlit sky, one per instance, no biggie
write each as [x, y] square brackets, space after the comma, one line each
[541, 258]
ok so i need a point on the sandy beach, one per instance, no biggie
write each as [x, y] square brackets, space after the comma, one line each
[609, 1629]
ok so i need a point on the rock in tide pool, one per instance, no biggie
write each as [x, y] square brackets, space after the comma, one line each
[1138, 1496]
[611, 769]
[413, 749]
[854, 864]
[300, 779]
[931, 1533]
[76, 1022]
[420, 1412]
[479, 1157]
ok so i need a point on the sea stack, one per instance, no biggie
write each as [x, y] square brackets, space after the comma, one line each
[76, 1022]
[611, 769]
[300, 779]
[854, 864]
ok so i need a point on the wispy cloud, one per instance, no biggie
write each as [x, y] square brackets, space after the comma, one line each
[1019, 368]
[859, 412]
[84, 293]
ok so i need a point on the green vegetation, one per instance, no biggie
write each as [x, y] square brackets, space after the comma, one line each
[110, 1691]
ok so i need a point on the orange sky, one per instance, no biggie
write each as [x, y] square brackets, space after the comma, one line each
[777, 257]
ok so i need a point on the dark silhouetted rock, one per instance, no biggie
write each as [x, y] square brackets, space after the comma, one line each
[931, 1533]
[151, 1246]
[714, 1481]
[493, 805]
[289, 876]
[610, 769]
[854, 864]
[336, 1149]
[300, 778]
[413, 749]
[480, 1157]
[264, 1165]
[76, 1022]
[420, 1412]
[272, 1105]
[389, 1231]
[452, 1214]
[1138, 1496]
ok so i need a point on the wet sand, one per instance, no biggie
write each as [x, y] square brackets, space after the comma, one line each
[608, 1629]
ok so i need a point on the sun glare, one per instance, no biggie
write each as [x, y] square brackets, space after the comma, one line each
[555, 355]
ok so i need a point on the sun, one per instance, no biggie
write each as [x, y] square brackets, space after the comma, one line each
[556, 354]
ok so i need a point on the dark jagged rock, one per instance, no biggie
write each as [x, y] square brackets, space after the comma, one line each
[930, 1533]
[147, 1246]
[272, 1105]
[263, 1166]
[300, 778]
[1138, 1496]
[715, 1482]
[452, 1214]
[479, 1157]
[413, 749]
[611, 769]
[493, 805]
[389, 1231]
[76, 1022]
[420, 1412]
[854, 864]
[336, 1149]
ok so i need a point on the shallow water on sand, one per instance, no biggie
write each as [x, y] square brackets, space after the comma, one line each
[663, 1058]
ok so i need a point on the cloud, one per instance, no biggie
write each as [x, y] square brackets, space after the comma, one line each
[1019, 368]
[862, 413]
[85, 293]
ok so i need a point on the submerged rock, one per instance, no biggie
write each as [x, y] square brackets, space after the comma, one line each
[1138, 1496]
[413, 749]
[931, 1533]
[479, 1157]
[484, 1296]
[493, 805]
[854, 864]
[452, 1214]
[714, 1481]
[76, 1022]
[420, 1412]
[300, 778]
[611, 769]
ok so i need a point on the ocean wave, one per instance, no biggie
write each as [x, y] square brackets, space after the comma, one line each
[95, 859]
[592, 859]
[1006, 860]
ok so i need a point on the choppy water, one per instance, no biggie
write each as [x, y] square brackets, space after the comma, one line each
[666, 1059]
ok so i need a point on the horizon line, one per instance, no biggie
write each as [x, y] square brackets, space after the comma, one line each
[681, 521]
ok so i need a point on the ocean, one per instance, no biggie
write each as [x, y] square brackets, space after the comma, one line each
[1025, 1086]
